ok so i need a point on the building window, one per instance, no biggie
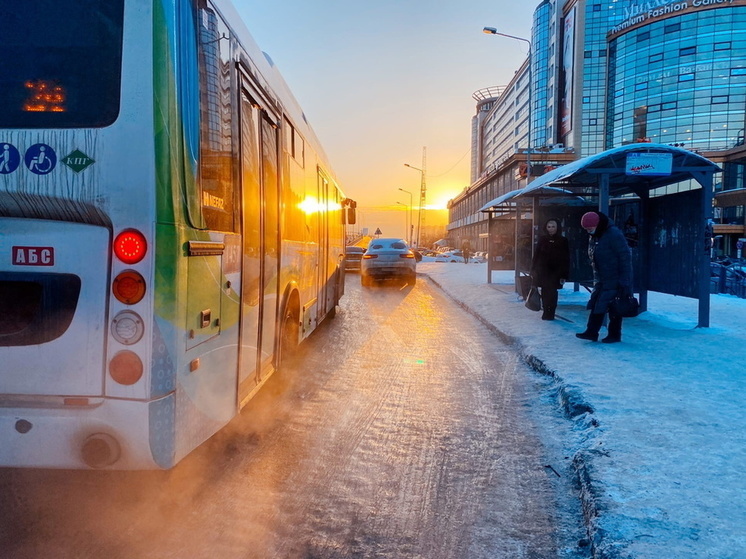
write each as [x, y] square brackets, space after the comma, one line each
[738, 72]
[687, 51]
[593, 122]
[655, 57]
[722, 46]
[596, 7]
[672, 28]
[719, 99]
[686, 77]
[643, 36]
[641, 86]
[586, 99]
[588, 54]
[602, 53]
[669, 105]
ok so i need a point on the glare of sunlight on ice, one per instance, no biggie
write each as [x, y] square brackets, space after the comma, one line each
[414, 361]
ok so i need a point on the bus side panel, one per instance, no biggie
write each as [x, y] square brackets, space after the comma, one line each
[199, 366]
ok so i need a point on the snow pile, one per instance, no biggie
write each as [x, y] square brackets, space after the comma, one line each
[664, 448]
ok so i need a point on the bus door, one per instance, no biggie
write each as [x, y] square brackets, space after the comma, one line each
[251, 287]
[260, 192]
[323, 270]
[270, 239]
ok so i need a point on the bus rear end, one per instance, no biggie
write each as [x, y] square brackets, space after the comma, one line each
[76, 236]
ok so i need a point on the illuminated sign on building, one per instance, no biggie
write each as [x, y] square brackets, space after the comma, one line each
[638, 13]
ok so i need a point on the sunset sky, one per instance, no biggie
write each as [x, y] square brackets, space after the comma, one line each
[380, 80]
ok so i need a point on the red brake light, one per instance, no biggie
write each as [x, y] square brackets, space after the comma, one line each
[130, 246]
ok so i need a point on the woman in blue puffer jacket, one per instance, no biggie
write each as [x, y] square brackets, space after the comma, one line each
[612, 275]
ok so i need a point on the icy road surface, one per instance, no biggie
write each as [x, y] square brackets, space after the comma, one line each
[408, 431]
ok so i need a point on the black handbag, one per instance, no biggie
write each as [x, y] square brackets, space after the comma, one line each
[533, 300]
[626, 306]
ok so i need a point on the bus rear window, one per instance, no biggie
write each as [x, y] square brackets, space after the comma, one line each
[61, 63]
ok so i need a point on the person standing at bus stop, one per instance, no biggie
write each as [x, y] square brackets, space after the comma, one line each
[466, 251]
[611, 260]
[550, 266]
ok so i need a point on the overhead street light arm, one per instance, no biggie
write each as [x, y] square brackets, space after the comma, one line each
[493, 31]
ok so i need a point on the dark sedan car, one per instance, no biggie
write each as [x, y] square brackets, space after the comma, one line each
[353, 256]
[388, 259]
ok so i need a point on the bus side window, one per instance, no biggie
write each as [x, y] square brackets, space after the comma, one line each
[216, 147]
[294, 143]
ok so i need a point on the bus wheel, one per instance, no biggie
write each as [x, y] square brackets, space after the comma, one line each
[288, 338]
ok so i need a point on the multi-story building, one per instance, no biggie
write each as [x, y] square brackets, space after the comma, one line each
[677, 75]
[610, 72]
[508, 120]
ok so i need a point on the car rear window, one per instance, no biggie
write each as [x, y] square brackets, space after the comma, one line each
[399, 245]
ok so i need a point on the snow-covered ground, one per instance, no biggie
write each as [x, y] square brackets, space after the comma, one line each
[663, 453]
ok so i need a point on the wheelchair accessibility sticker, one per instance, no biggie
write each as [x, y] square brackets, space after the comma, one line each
[40, 159]
[10, 159]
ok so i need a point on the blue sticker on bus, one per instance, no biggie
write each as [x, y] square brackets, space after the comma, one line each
[10, 159]
[40, 159]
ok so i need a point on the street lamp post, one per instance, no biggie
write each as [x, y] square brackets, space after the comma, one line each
[423, 191]
[406, 218]
[411, 223]
[493, 31]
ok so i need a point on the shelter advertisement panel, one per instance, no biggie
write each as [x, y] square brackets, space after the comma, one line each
[649, 164]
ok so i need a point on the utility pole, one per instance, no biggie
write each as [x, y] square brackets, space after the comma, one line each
[423, 193]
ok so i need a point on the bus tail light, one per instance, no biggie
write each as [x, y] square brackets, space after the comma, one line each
[129, 287]
[130, 246]
[126, 368]
[127, 328]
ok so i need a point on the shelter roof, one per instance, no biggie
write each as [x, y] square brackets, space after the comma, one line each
[585, 173]
[500, 201]
[507, 201]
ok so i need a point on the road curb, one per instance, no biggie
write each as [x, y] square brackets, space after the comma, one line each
[575, 408]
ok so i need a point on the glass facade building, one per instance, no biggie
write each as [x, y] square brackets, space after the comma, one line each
[680, 80]
[541, 75]
[596, 19]
[606, 73]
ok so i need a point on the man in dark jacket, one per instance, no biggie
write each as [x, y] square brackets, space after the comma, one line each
[550, 266]
[612, 275]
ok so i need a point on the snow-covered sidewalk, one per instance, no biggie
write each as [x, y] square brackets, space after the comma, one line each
[662, 456]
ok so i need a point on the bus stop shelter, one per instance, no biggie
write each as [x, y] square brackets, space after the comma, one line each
[666, 227]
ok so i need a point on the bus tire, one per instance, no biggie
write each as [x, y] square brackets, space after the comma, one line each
[289, 334]
[337, 288]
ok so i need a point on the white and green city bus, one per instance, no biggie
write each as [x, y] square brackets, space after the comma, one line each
[169, 229]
